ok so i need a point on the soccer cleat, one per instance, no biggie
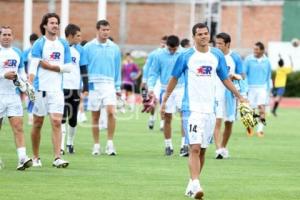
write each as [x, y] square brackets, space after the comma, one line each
[188, 190]
[60, 163]
[151, 124]
[225, 153]
[24, 163]
[250, 132]
[219, 153]
[168, 151]
[96, 151]
[70, 149]
[260, 134]
[110, 150]
[36, 162]
[184, 151]
[194, 191]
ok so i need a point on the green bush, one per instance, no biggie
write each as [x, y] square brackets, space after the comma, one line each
[293, 85]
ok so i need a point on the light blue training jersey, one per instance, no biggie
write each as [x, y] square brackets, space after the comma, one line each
[162, 67]
[104, 63]
[148, 63]
[258, 71]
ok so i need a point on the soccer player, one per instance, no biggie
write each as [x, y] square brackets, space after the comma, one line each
[162, 66]
[72, 85]
[11, 66]
[258, 73]
[200, 66]
[26, 58]
[130, 73]
[280, 82]
[144, 86]
[50, 59]
[104, 69]
[225, 100]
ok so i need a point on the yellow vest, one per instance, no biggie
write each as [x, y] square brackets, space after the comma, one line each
[281, 75]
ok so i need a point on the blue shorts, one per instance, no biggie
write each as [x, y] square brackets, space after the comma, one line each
[279, 91]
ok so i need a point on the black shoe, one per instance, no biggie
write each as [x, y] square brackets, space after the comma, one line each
[219, 156]
[62, 152]
[70, 149]
[151, 124]
[184, 151]
[168, 151]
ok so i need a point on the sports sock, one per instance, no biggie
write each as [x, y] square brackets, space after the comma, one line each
[260, 127]
[182, 141]
[21, 151]
[110, 143]
[71, 135]
[63, 136]
[168, 143]
[151, 117]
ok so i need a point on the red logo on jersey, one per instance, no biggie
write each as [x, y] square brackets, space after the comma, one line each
[10, 63]
[55, 56]
[204, 70]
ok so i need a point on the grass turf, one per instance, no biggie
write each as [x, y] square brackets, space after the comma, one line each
[259, 168]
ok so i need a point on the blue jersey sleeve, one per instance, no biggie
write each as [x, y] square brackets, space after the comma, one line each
[154, 71]
[238, 63]
[83, 58]
[25, 55]
[118, 69]
[19, 52]
[180, 66]
[68, 57]
[222, 69]
[37, 48]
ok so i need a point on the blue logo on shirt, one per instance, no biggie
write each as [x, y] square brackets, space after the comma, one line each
[74, 60]
[55, 56]
[10, 63]
[204, 70]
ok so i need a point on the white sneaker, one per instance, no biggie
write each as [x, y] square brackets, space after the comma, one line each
[60, 163]
[36, 162]
[110, 150]
[225, 153]
[194, 190]
[219, 153]
[151, 124]
[24, 163]
[96, 150]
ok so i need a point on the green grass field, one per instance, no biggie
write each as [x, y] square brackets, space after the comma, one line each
[259, 168]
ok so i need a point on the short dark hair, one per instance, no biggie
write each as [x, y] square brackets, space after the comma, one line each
[199, 25]
[173, 41]
[71, 29]
[102, 23]
[33, 37]
[45, 21]
[184, 42]
[260, 45]
[165, 37]
[280, 62]
[226, 37]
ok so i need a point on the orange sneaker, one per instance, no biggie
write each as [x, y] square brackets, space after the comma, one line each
[260, 134]
[250, 132]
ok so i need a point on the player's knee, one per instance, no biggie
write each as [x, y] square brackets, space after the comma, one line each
[56, 122]
[195, 149]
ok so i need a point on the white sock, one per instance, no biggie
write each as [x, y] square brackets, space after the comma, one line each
[63, 136]
[151, 117]
[182, 141]
[260, 127]
[97, 146]
[21, 151]
[162, 122]
[168, 143]
[196, 182]
[110, 143]
[71, 135]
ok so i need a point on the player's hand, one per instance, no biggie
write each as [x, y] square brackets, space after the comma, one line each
[243, 100]
[236, 77]
[163, 109]
[84, 94]
[11, 75]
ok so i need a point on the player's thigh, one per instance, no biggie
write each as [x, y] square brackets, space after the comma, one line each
[94, 101]
[220, 108]
[14, 106]
[178, 98]
[209, 124]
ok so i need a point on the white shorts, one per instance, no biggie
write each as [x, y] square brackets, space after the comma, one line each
[198, 128]
[221, 111]
[101, 96]
[174, 101]
[48, 102]
[10, 106]
[257, 97]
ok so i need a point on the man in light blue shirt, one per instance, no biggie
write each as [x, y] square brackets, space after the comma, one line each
[104, 69]
[258, 73]
[162, 66]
